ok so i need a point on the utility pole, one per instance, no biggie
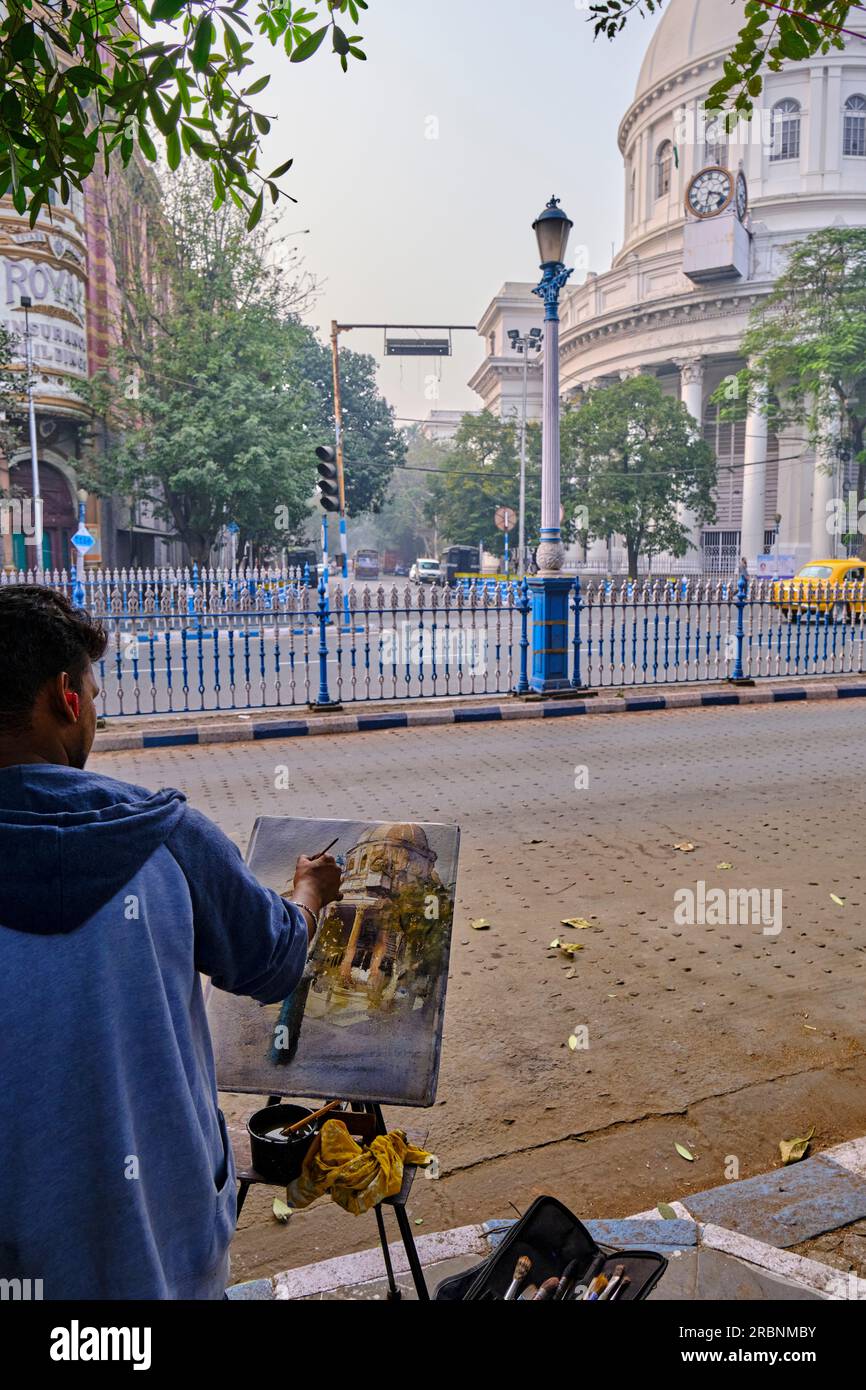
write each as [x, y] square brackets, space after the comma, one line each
[525, 344]
[338, 429]
[26, 305]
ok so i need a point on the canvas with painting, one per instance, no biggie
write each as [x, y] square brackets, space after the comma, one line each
[365, 1023]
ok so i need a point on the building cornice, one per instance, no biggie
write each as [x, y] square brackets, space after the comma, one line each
[667, 314]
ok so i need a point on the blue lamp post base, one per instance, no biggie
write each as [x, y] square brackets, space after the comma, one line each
[550, 606]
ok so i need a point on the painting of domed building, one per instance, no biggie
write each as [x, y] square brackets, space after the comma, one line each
[366, 1021]
[366, 952]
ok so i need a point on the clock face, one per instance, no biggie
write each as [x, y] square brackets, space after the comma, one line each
[742, 195]
[710, 192]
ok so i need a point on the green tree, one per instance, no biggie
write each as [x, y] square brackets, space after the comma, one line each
[806, 349]
[480, 471]
[641, 455]
[772, 34]
[405, 523]
[220, 395]
[211, 415]
[83, 82]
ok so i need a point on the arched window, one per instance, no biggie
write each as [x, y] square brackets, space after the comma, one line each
[715, 138]
[854, 135]
[664, 164]
[785, 130]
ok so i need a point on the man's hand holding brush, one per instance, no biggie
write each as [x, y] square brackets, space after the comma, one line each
[315, 884]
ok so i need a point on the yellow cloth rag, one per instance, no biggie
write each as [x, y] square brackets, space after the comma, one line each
[356, 1178]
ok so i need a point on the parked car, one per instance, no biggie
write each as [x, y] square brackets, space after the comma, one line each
[828, 587]
[365, 564]
[426, 570]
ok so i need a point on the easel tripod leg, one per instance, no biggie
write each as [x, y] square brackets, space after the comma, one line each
[393, 1291]
[412, 1254]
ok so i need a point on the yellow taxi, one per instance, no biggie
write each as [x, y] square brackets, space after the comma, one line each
[830, 587]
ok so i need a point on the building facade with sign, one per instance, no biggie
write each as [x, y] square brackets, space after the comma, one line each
[709, 222]
[66, 266]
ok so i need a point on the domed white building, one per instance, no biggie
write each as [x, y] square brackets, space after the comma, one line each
[698, 255]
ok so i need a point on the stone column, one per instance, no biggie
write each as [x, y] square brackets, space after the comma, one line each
[351, 947]
[692, 397]
[824, 488]
[754, 481]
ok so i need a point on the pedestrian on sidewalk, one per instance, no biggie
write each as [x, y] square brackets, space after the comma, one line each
[117, 1174]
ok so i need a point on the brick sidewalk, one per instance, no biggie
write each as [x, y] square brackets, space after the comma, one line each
[741, 1241]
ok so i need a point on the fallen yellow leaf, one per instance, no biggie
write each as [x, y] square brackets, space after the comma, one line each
[684, 1153]
[840, 902]
[575, 922]
[479, 924]
[724, 865]
[792, 1150]
[282, 1211]
[685, 845]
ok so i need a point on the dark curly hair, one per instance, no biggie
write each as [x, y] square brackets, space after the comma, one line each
[41, 634]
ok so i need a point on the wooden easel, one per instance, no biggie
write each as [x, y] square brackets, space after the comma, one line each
[366, 1121]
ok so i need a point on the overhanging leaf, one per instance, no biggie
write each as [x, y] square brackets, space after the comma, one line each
[307, 47]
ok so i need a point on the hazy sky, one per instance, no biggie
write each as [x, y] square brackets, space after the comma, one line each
[408, 229]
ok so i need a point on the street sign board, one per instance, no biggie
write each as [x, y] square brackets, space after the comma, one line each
[83, 541]
[417, 347]
[505, 518]
[774, 567]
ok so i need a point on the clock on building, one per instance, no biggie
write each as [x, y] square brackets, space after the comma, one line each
[742, 195]
[710, 191]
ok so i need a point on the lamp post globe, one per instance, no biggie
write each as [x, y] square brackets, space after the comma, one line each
[552, 227]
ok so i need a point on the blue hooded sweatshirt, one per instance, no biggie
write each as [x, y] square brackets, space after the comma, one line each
[116, 1174]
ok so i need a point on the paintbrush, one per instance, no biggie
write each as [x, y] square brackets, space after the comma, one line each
[308, 1119]
[596, 1289]
[587, 1278]
[529, 1292]
[623, 1284]
[567, 1280]
[618, 1272]
[547, 1290]
[521, 1273]
[325, 850]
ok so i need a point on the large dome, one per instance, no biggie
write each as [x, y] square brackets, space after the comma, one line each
[689, 32]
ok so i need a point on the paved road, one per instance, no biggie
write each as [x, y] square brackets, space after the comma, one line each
[721, 1037]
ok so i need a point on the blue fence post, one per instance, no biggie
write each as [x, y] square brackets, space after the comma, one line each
[323, 697]
[740, 601]
[576, 678]
[524, 603]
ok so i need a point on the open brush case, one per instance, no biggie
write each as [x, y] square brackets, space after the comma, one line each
[552, 1237]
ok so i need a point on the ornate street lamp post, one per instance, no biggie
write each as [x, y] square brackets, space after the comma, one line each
[550, 589]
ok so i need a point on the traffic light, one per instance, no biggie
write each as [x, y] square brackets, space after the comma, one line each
[327, 485]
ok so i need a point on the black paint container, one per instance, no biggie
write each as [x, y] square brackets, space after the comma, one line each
[279, 1157]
